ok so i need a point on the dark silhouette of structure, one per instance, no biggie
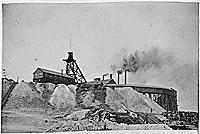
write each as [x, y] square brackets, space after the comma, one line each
[73, 70]
[44, 76]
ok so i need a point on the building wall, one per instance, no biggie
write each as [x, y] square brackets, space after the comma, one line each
[58, 79]
[47, 77]
[38, 74]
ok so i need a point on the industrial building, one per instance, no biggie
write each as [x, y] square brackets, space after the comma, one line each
[166, 97]
[42, 75]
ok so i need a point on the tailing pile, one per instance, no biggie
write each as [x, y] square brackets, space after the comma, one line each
[132, 100]
[45, 96]
[138, 102]
[62, 97]
[23, 96]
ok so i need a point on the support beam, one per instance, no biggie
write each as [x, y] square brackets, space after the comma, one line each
[150, 96]
[73, 70]
[118, 75]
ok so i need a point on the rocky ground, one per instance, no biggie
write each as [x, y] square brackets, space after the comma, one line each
[15, 121]
[29, 110]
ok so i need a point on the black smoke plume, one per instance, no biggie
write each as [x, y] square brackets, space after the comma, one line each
[142, 60]
[148, 61]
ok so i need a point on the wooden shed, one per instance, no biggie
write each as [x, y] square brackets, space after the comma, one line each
[44, 76]
[104, 82]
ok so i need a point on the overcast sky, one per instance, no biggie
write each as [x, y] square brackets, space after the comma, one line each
[101, 35]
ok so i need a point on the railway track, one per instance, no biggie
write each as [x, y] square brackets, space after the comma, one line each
[5, 98]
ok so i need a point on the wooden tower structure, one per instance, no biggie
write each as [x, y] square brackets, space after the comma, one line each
[73, 70]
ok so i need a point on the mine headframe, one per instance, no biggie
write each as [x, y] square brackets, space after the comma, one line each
[73, 70]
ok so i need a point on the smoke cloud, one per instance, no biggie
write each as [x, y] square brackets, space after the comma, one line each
[157, 66]
[142, 63]
[154, 66]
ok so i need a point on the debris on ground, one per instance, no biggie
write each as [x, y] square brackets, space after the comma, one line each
[13, 121]
[45, 90]
[88, 95]
[98, 119]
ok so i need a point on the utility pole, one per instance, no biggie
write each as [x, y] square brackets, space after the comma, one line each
[70, 42]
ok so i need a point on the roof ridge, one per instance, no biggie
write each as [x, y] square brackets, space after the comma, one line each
[53, 71]
[48, 69]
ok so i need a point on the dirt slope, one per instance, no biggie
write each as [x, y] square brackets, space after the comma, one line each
[63, 97]
[115, 100]
[13, 122]
[23, 96]
[132, 100]
[138, 102]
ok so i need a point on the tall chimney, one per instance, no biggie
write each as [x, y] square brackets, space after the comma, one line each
[110, 76]
[103, 77]
[61, 71]
[118, 78]
[125, 73]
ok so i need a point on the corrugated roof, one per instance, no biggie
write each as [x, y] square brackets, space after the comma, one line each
[147, 86]
[53, 72]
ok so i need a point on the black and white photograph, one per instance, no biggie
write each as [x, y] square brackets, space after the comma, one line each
[100, 67]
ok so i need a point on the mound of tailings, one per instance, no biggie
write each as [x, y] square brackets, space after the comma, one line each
[24, 90]
[63, 96]
[127, 98]
[115, 100]
[24, 96]
[138, 102]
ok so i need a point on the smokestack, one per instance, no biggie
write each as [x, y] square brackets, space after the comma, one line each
[118, 78]
[61, 71]
[110, 76]
[119, 72]
[125, 73]
[105, 75]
